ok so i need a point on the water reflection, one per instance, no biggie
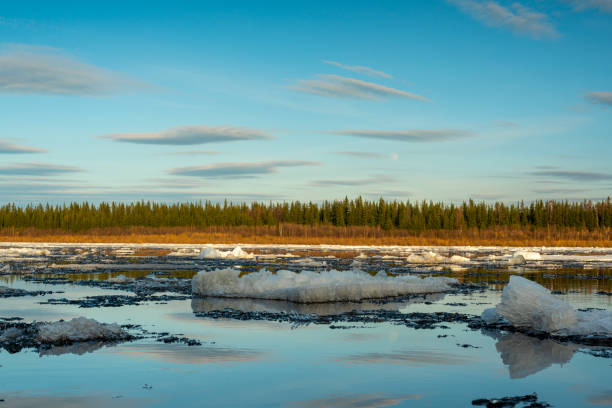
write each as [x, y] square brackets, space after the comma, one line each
[76, 348]
[53, 401]
[556, 279]
[603, 399]
[414, 358]
[180, 354]
[210, 304]
[374, 400]
[525, 355]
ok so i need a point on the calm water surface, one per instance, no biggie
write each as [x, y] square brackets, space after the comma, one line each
[269, 364]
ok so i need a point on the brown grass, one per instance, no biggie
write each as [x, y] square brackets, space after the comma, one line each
[301, 234]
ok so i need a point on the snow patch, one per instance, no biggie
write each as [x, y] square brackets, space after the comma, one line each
[313, 287]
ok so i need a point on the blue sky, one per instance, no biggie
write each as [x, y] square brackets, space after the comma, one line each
[440, 100]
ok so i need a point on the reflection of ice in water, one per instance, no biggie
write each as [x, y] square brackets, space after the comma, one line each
[526, 355]
[76, 348]
[210, 304]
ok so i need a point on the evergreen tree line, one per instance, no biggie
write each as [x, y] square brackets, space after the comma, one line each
[412, 216]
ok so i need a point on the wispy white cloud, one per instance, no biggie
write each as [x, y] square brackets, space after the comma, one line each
[190, 135]
[11, 148]
[359, 69]
[584, 176]
[581, 5]
[37, 169]
[238, 170]
[603, 98]
[560, 190]
[342, 87]
[369, 155]
[517, 18]
[41, 70]
[196, 153]
[414, 135]
[353, 182]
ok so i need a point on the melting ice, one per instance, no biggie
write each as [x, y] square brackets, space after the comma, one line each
[312, 287]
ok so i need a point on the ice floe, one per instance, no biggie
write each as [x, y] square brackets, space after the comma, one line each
[23, 252]
[120, 279]
[434, 258]
[79, 329]
[530, 306]
[213, 253]
[309, 286]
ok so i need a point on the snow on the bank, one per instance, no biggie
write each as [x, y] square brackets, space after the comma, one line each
[312, 287]
[433, 258]
[79, 329]
[213, 253]
[528, 305]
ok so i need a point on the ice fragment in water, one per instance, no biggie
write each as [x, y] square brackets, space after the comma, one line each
[309, 286]
[525, 304]
[213, 253]
[79, 329]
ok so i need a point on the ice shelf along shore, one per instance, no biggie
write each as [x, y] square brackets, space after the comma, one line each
[527, 305]
[313, 287]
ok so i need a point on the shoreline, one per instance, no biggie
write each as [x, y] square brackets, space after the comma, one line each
[163, 240]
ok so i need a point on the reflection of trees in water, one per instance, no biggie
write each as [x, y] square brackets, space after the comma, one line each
[210, 304]
[525, 355]
[566, 279]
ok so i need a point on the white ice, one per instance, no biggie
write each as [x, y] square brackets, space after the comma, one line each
[120, 279]
[213, 253]
[434, 258]
[21, 252]
[312, 287]
[79, 329]
[528, 305]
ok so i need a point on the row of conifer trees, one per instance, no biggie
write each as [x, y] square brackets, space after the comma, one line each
[413, 216]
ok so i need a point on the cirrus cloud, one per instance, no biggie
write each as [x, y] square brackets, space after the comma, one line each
[517, 18]
[12, 148]
[414, 135]
[238, 170]
[581, 5]
[572, 175]
[42, 70]
[337, 86]
[359, 69]
[602, 98]
[37, 169]
[190, 135]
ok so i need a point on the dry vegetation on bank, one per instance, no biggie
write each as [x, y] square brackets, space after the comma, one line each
[304, 234]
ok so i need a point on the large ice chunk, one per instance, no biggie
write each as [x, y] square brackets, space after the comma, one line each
[213, 253]
[79, 329]
[312, 287]
[526, 304]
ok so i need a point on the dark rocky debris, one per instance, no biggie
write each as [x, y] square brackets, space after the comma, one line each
[523, 401]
